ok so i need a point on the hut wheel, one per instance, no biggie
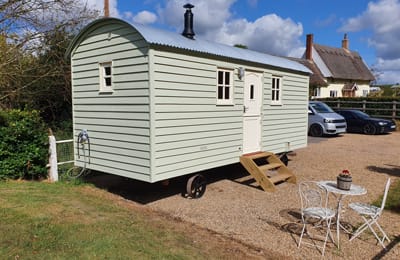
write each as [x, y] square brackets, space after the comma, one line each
[196, 186]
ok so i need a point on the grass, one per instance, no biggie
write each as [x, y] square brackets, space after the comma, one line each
[64, 221]
[393, 198]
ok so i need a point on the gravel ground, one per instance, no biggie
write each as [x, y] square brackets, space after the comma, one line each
[270, 220]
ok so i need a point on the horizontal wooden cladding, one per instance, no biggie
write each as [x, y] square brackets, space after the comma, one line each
[197, 164]
[141, 125]
[201, 148]
[170, 138]
[115, 135]
[197, 128]
[120, 93]
[113, 54]
[174, 122]
[197, 114]
[110, 100]
[105, 115]
[130, 145]
[124, 108]
[92, 124]
[114, 153]
[173, 69]
[171, 108]
[196, 144]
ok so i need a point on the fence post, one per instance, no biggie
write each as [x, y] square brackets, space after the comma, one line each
[364, 105]
[53, 169]
[394, 110]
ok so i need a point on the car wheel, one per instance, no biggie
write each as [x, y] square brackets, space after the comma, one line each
[316, 130]
[369, 129]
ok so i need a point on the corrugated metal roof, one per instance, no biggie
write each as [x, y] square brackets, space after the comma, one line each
[166, 38]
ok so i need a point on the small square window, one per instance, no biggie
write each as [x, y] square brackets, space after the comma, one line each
[224, 87]
[105, 76]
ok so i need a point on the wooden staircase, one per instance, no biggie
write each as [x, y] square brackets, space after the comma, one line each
[267, 169]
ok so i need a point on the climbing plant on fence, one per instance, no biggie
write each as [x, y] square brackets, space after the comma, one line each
[23, 145]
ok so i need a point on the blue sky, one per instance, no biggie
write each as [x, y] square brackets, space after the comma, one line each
[280, 27]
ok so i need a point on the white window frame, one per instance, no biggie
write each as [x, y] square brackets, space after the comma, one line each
[276, 90]
[333, 93]
[223, 85]
[104, 86]
[365, 93]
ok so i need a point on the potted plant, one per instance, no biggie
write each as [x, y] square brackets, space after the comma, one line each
[344, 180]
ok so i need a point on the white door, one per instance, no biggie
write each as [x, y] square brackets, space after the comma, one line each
[252, 102]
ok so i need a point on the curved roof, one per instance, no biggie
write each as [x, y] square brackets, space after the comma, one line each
[160, 37]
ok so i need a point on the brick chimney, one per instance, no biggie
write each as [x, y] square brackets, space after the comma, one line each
[345, 42]
[309, 46]
[106, 8]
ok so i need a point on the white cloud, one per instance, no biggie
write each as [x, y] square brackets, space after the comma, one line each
[144, 17]
[213, 20]
[382, 19]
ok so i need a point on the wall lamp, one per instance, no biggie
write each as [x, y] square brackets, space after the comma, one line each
[241, 71]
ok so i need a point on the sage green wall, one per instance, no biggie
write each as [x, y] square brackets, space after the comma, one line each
[118, 123]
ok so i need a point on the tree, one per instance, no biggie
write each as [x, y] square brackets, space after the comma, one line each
[34, 35]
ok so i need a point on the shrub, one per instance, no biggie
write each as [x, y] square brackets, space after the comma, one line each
[23, 145]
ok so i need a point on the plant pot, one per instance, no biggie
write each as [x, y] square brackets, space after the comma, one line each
[344, 183]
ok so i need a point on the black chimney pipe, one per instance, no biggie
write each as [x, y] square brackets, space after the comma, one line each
[188, 30]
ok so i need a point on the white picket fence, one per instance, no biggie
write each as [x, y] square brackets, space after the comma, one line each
[60, 153]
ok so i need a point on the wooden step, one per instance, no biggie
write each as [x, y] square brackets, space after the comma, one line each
[266, 175]
[254, 156]
[280, 177]
[270, 166]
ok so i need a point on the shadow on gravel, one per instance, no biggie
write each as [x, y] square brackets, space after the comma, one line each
[389, 247]
[144, 192]
[393, 170]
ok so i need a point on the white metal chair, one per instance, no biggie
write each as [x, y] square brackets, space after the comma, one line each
[370, 215]
[315, 213]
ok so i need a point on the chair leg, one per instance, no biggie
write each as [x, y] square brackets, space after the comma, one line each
[368, 224]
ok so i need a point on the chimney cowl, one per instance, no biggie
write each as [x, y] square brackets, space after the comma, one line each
[345, 42]
[188, 29]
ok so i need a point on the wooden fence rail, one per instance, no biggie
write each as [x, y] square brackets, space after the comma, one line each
[384, 109]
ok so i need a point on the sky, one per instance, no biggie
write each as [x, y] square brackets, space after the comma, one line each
[279, 27]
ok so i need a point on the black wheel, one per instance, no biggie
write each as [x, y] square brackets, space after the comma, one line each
[196, 186]
[316, 130]
[369, 129]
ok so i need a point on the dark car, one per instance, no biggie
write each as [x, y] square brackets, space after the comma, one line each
[360, 122]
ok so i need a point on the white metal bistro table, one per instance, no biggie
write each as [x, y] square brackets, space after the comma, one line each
[331, 187]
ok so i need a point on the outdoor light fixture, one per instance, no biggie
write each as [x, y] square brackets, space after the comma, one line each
[241, 71]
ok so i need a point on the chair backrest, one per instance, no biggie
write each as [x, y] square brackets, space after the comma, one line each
[311, 195]
[385, 194]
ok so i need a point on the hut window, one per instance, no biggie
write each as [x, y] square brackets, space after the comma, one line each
[224, 87]
[276, 94]
[106, 76]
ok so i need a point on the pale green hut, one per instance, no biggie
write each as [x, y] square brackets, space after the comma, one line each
[158, 104]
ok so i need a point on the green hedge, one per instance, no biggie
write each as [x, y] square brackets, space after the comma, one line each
[23, 145]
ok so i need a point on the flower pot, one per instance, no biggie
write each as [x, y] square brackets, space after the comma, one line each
[344, 183]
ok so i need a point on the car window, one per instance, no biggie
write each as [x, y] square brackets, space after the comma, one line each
[321, 108]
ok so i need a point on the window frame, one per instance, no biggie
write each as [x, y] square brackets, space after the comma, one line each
[333, 93]
[224, 85]
[276, 99]
[103, 76]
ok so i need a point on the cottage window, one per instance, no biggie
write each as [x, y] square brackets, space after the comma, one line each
[224, 87]
[106, 76]
[276, 91]
[333, 93]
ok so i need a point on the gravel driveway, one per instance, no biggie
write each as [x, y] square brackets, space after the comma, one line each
[270, 221]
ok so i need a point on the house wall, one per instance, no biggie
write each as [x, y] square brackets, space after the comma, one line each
[338, 86]
[118, 123]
